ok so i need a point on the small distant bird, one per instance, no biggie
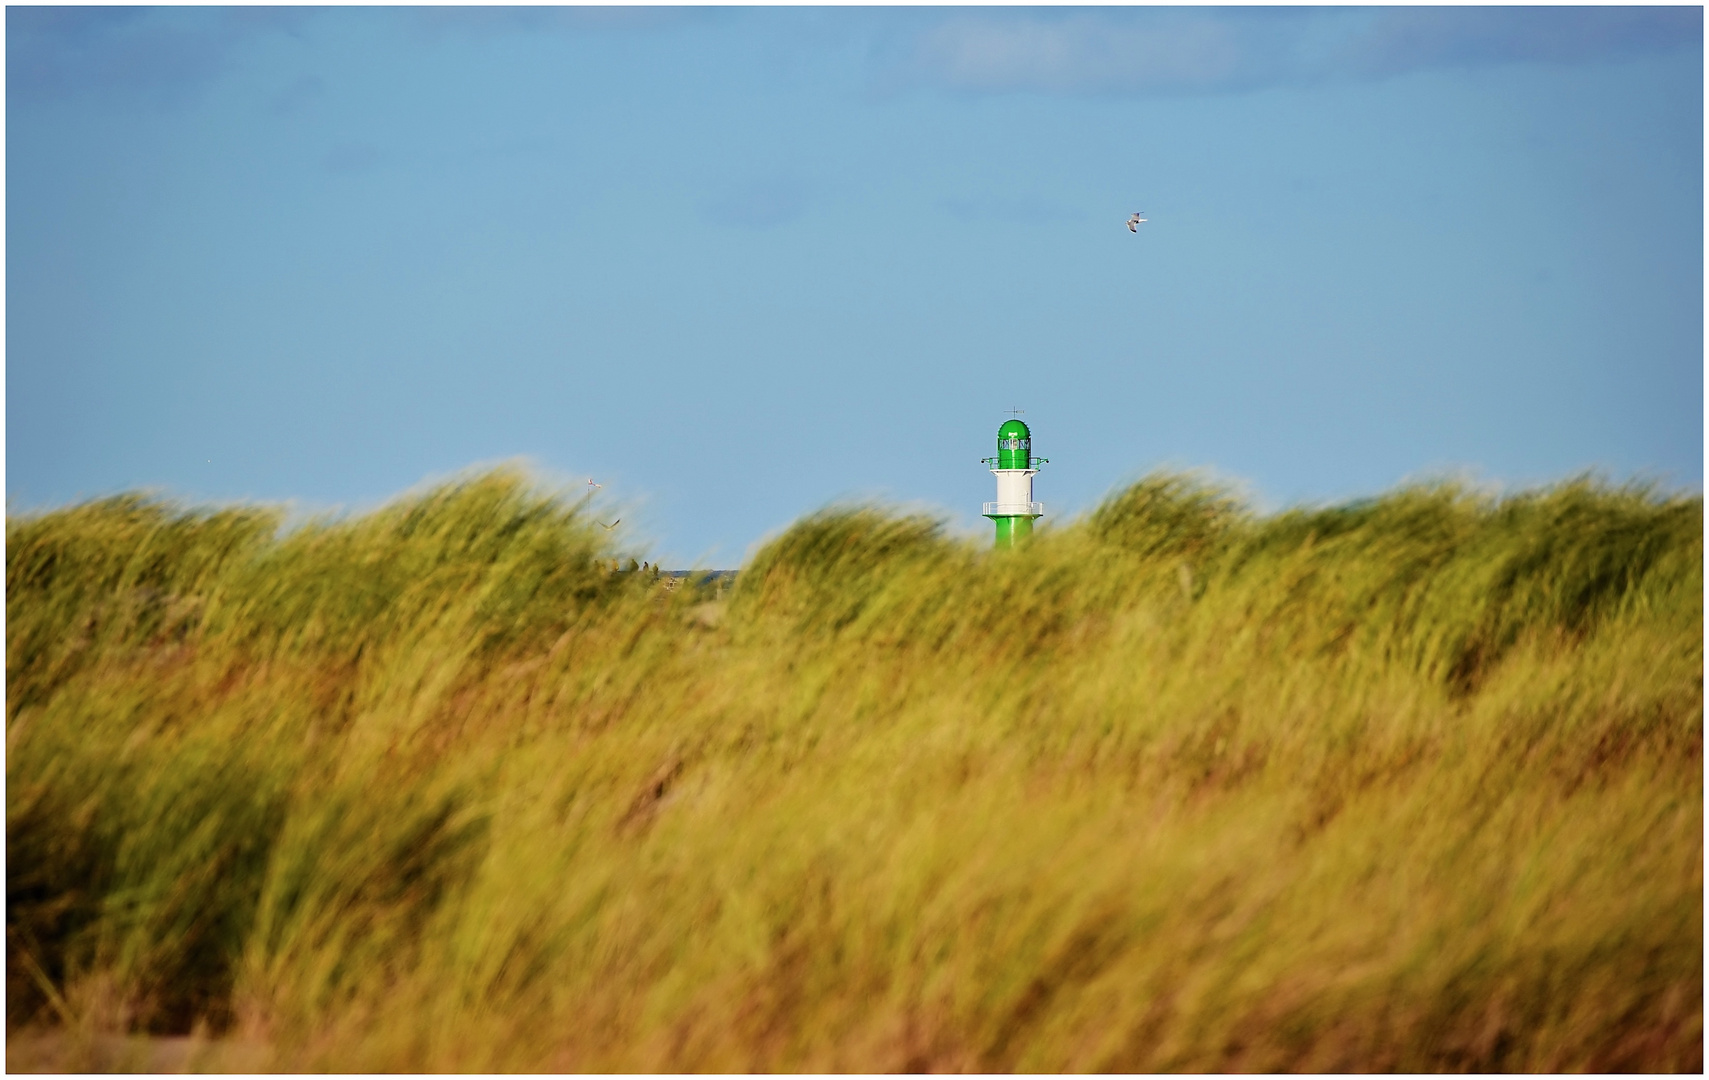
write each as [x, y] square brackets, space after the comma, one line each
[591, 485]
[1134, 222]
[611, 526]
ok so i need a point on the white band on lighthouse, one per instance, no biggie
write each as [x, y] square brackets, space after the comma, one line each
[1015, 488]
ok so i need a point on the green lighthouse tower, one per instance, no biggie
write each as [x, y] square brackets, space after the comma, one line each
[1014, 466]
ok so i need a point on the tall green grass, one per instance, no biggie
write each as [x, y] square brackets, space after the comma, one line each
[1413, 783]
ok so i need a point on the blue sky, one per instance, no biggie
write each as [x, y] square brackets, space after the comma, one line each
[738, 264]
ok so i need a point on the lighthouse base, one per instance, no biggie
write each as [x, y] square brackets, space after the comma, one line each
[1012, 528]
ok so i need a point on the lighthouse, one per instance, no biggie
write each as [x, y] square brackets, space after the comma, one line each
[1014, 467]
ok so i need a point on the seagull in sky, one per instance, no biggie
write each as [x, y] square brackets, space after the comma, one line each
[1134, 222]
[611, 526]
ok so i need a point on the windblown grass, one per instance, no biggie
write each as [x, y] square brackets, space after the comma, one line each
[1409, 784]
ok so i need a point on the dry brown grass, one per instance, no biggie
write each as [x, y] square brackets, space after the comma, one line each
[1412, 784]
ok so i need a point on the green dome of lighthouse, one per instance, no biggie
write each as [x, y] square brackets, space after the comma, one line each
[1014, 446]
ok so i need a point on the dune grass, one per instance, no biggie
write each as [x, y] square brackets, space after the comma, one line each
[1413, 783]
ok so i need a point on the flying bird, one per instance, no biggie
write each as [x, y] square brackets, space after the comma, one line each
[611, 526]
[1134, 222]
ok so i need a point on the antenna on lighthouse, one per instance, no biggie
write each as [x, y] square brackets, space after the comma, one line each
[1014, 466]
